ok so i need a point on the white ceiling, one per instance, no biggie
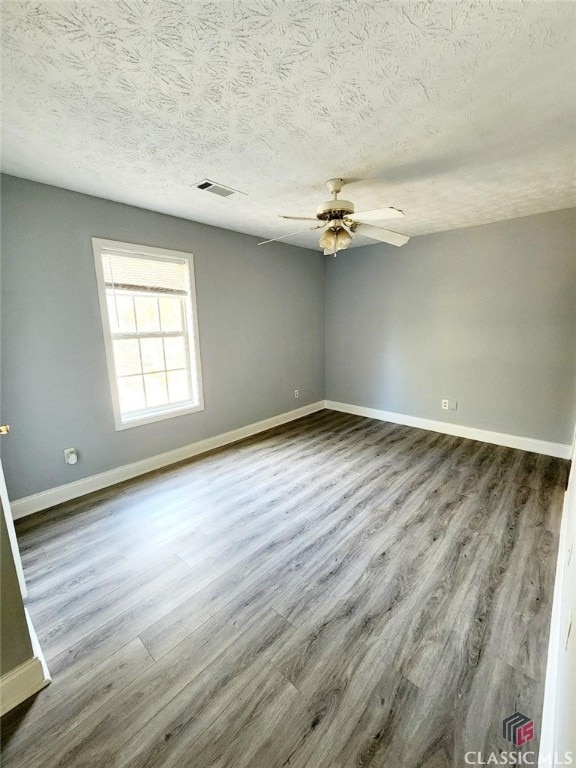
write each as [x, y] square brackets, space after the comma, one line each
[460, 113]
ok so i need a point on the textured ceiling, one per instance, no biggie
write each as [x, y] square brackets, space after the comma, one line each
[460, 113]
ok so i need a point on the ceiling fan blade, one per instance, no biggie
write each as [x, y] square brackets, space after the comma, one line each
[378, 214]
[383, 235]
[299, 218]
[308, 229]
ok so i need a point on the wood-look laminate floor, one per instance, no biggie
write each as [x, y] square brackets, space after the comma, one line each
[336, 592]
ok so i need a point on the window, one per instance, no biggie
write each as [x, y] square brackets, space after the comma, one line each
[148, 305]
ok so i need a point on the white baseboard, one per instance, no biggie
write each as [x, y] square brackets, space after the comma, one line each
[38, 653]
[497, 438]
[21, 683]
[27, 679]
[49, 498]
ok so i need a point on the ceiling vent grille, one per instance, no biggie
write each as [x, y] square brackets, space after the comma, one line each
[207, 185]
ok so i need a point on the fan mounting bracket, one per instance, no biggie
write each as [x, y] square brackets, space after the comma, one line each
[335, 186]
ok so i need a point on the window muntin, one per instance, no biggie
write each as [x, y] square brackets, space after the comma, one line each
[148, 311]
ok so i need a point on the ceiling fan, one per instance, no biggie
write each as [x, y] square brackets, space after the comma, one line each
[340, 222]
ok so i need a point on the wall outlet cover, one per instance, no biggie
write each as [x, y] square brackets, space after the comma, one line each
[70, 455]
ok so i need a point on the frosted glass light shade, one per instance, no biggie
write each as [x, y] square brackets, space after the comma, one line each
[343, 238]
[329, 240]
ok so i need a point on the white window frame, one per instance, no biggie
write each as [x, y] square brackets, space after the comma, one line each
[166, 411]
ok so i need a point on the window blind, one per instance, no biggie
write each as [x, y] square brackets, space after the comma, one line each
[140, 272]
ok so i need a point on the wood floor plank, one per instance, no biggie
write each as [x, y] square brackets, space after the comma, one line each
[254, 718]
[284, 556]
[63, 709]
[336, 592]
[84, 617]
[182, 687]
[96, 646]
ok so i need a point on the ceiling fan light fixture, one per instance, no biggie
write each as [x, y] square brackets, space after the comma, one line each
[343, 238]
[341, 222]
[329, 240]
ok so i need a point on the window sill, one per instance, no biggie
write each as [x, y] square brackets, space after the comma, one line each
[168, 413]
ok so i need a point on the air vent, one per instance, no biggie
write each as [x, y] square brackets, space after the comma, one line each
[206, 185]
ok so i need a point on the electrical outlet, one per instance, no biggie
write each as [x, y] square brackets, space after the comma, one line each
[70, 455]
[296, 393]
[445, 405]
[449, 405]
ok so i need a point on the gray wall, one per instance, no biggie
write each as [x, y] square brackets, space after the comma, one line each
[261, 319]
[15, 645]
[485, 316]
